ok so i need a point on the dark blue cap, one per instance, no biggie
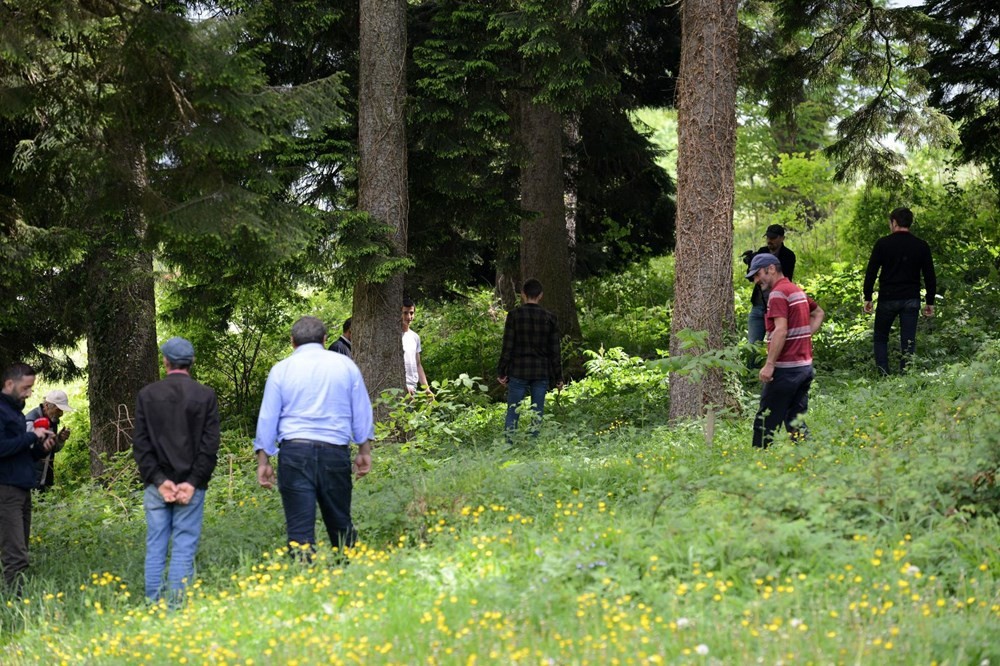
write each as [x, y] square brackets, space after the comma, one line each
[760, 261]
[178, 351]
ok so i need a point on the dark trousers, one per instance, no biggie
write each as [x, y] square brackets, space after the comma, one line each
[783, 400]
[311, 473]
[908, 311]
[15, 530]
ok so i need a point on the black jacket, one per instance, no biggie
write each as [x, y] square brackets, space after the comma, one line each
[19, 449]
[898, 260]
[176, 434]
[787, 259]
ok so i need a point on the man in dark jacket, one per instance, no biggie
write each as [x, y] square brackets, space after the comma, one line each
[54, 405]
[175, 444]
[898, 260]
[343, 343]
[531, 358]
[19, 449]
[775, 236]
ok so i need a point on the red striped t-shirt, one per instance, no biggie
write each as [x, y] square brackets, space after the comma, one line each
[789, 301]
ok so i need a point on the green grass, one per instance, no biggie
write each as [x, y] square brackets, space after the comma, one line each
[612, 538]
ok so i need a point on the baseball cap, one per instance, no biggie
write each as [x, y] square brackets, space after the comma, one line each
[760, 261]
[59, 399]
[774, 231]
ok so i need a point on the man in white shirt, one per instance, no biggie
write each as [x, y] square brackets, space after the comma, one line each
[315, 405]
[411, 351]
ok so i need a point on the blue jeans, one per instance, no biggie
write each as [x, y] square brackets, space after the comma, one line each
[783, 400]
[166, 522]
[517, 391]
[755, 324]
[908, 311]
[311, 473]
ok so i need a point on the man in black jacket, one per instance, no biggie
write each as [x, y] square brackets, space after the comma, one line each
[19, 449]
[898, 260]
[175, 444]
[775, 236]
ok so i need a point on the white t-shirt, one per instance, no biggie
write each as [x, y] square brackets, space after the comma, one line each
[411, 347]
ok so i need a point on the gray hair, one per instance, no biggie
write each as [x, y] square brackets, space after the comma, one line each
[308, 329]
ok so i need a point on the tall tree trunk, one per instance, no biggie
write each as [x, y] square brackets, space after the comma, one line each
[121, 322]
[703, 283]
[382, 192]
[544, 238]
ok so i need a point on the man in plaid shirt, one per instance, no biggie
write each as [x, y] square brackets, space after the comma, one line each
[531, 359]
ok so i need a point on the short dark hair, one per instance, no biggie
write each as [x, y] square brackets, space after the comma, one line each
[902, 216]
[408, 303]
[532, 288]
[308, 329]
[347, 325]
[16, 372]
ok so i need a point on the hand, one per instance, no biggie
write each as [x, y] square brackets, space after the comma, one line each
[265, 474]
[502, 380]
[868, 307]
[362, 463]
[168, 491]
[766, 373]
[185, 491]
[63, 434]
[928, 310]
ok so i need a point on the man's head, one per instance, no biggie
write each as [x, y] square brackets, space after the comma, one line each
[178, 353]
[55, 404]
[408, 311]
[775, 235]
[531, 290]
[346, 331]
[307, 330]
[765, 270]
[901, 217]
[18, 380]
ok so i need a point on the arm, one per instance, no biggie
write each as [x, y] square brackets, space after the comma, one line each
[816, 316]
[871, 272]
[265, 442]
[774, 347]
[266, 438]
[789, 270]
[142, 449]
[421, 376]
[208, 446]
[507, 349]
[11, 446]
[930, 283]
[362, 425]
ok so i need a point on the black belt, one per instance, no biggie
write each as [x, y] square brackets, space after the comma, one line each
[307, 442]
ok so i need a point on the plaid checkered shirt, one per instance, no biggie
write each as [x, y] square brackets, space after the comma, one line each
[531, 345]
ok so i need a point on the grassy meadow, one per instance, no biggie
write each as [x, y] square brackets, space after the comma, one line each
[613, 538]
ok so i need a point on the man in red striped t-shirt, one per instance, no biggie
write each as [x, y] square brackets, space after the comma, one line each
[792, 318]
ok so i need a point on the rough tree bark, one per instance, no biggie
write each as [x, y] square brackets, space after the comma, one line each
[544, 237]
[703, 283]
[382, 188]
[121, 322]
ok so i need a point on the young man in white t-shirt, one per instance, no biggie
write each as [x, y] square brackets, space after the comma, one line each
[411, 351]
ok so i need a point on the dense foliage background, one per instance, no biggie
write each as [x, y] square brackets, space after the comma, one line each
[192, 169]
